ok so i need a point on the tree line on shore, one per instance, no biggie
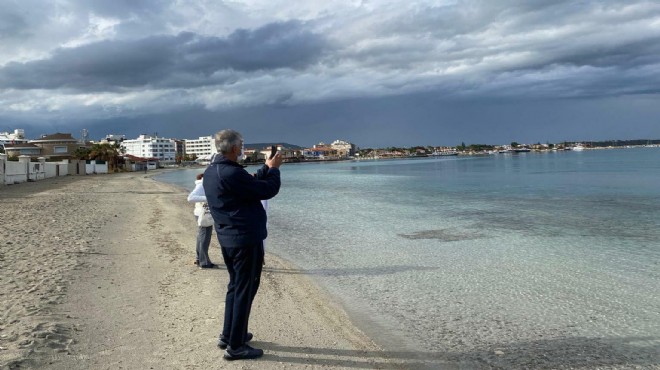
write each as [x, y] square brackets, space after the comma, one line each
[488, 147]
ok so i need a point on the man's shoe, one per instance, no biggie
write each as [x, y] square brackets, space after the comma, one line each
[243, 352]
[222, 343]
[209, 266]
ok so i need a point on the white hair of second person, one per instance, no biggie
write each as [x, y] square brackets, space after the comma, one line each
[226, 139]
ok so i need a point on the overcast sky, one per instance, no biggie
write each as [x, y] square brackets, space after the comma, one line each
[377, 73]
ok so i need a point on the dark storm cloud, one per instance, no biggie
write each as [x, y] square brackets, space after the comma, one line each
[625, 56]
[519, 37]
[419, 119]
[183, 60]
[13, 26]
[376, 72]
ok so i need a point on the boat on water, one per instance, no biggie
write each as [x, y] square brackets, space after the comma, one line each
[521, 150]
[578, 147]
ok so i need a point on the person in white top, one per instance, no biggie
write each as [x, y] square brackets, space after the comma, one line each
[203, 233]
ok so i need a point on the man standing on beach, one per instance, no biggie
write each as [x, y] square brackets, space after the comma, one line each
[234, 196]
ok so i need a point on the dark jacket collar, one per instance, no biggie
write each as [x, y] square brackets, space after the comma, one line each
[221, 159]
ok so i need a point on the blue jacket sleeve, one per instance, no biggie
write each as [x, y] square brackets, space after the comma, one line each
[250, 187]
[262, 172]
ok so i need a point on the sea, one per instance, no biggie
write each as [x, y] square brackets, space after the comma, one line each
[529, 260]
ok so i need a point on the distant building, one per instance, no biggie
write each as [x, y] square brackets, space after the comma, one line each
[204, 147]
[287, 154]
[254, 155]
[58, 145]
[146, 146]
[17, 137]
[321, 151]
[112, 139]
[15, 150]
[179, 149]
[344, 148]
[133, 163]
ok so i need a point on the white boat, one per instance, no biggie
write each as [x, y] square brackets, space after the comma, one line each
[578, 147]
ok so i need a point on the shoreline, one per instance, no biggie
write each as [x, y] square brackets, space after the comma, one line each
[96, 279]
[410, 157]
[383, 334]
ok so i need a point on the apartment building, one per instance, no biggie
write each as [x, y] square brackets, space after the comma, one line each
[344, 148]
[203, 147]
[146, 146]
[179, 149]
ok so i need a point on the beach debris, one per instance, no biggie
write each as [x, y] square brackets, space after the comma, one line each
[499, 352]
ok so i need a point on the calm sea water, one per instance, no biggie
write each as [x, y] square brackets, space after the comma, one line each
[552, 256]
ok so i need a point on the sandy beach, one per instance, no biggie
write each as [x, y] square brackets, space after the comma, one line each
[96, 273]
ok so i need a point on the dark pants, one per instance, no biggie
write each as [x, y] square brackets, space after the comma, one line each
[244, 266]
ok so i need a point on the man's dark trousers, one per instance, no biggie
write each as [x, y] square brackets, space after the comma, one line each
[244, 265]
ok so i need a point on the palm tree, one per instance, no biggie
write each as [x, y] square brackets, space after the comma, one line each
[105, 152]
[81, 153]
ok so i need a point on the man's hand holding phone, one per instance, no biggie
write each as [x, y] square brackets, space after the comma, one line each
[275, 160]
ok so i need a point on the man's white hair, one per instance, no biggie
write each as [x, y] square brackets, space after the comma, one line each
[226, 139]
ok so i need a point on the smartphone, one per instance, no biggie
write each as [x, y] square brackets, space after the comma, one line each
[273, 151]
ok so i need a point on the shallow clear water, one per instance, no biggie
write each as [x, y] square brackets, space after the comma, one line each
[530, 254]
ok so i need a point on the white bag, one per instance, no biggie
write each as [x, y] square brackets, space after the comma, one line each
[205, 219]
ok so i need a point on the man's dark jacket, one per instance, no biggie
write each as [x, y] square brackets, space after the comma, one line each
[234, 197]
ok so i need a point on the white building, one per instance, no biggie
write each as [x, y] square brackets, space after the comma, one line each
[204, 147]
[285, 153]
[18, 137]
[343, 148]
[146, 146]
[112, 138]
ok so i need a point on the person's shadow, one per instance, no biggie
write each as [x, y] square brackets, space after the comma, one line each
[558, 353]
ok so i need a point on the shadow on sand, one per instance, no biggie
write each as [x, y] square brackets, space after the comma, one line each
[558, 353]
